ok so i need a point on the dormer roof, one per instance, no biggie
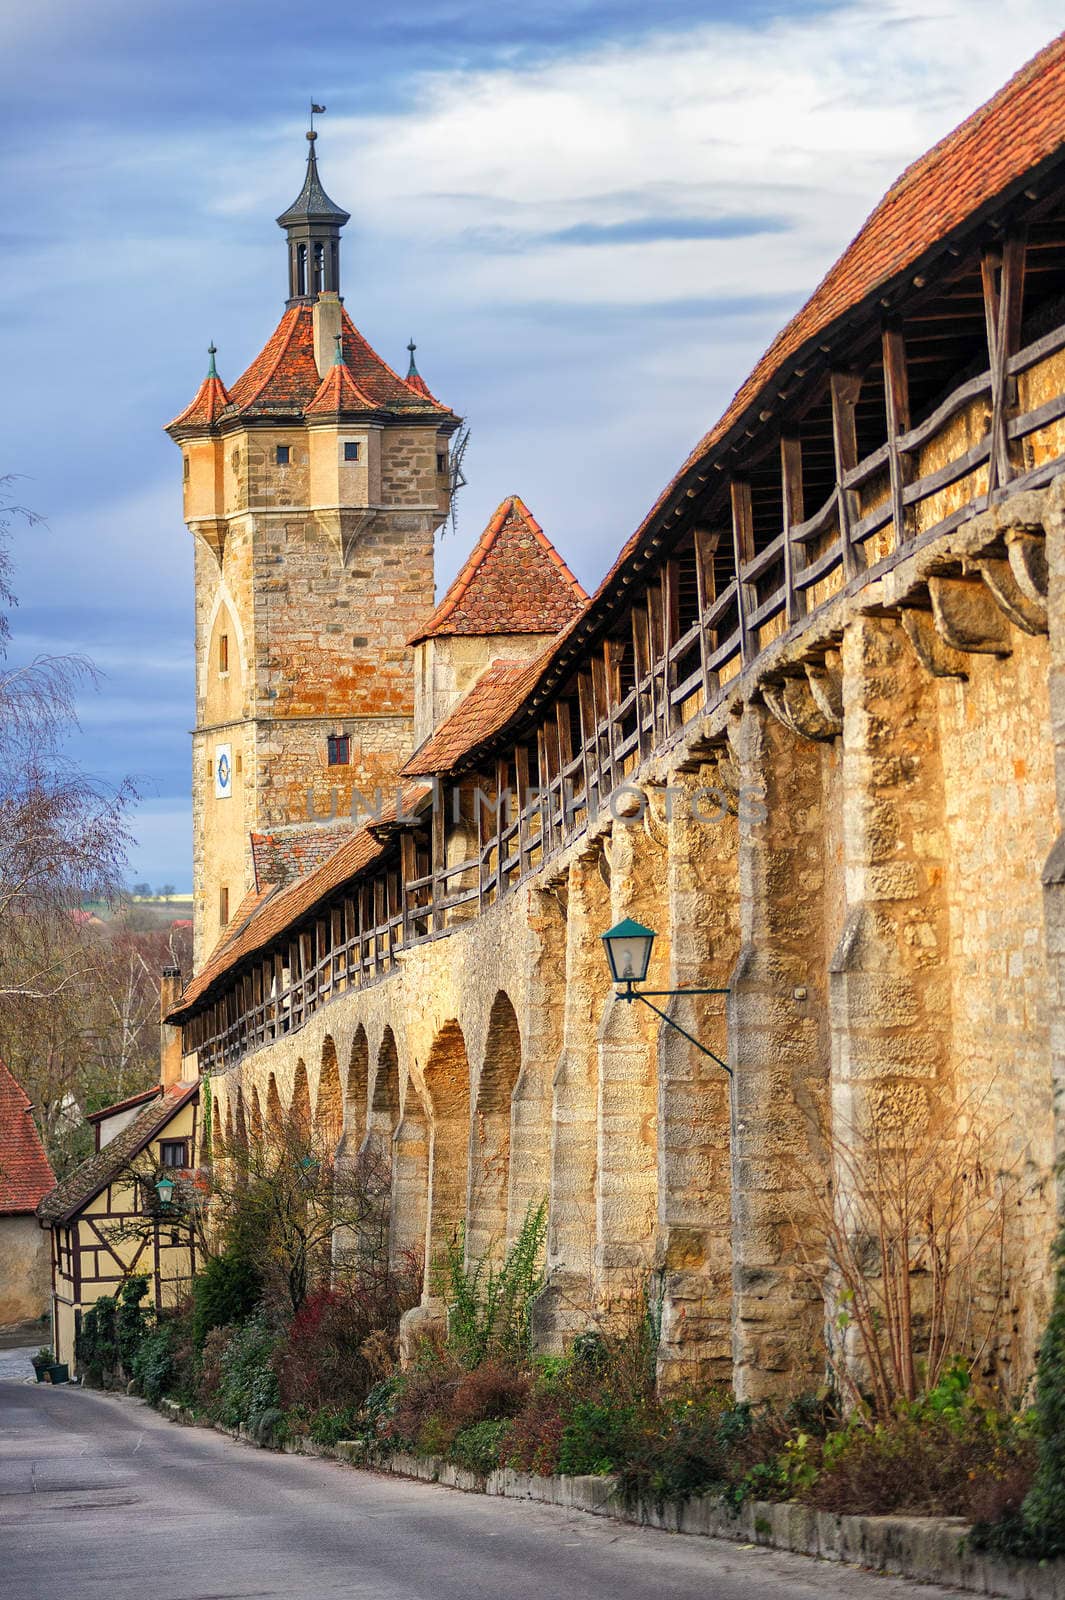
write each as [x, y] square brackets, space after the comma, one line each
[515, 581]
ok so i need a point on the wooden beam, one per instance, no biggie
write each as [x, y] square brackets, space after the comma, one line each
[794, 513]
[670, 635]
[1002, 275]
[897, 408]
[706, 544]
[564, 720]
[743, 551]
[589, 753]
[844, 389]
[502, 784]
[408, 872]
[439, 858]
[641, 655]
[521, 785]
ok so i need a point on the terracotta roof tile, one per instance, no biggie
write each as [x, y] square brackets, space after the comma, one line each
[338, 392]
[997, 145]
[515, 581]
[85, 1183]
[284, 376]
[492, 701]
[211, 399]
[993, 149]
[277, 909]
[290, 853]
[26, 1175]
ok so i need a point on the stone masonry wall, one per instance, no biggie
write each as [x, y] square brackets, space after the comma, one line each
[864, 845]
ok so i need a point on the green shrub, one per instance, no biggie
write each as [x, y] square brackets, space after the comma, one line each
[598, 1437]
[489, 1310]
[132, 1320]
[97, 1345]
[480, 1447]
[152, 1365]
[247, 1384]
[224, 1293]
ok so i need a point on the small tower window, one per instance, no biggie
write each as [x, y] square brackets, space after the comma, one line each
[301, 269]
[441, 461]
[186, 468]
[223, 653]
[319, 268]
[223, 907]
[339, 748]
[282, 455]
[351, 450]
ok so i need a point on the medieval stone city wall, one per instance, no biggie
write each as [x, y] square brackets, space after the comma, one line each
[863, 873]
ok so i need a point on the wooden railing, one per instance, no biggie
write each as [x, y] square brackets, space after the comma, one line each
[629, 700]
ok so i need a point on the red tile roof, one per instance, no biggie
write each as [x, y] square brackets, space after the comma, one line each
[291, 852]
[515, 581]
[26, 1175]
[284, 375]
[492, 701]
[992, 151]
[994, 148]
[271, 910]
[212, 397]
[86, 1181]
[283, 380]
[338, 393]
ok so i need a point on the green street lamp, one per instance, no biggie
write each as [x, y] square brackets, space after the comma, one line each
[628, 947]
[164, 1188]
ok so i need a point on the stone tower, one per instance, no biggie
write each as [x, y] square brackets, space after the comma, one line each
[313, 489]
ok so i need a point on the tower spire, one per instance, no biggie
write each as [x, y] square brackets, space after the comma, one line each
[212, 351]
[313, 223]
[412, 370]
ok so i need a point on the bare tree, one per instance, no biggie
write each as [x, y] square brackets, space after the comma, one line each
[913, 1232]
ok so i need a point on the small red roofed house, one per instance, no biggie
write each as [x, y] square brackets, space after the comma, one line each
[26, 1177]
[513, 597]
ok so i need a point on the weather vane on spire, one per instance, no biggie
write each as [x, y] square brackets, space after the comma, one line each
[315, 111]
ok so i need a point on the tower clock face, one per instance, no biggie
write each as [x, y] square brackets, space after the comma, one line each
[223, 771]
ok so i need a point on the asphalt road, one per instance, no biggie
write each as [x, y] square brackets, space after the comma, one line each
[99, 1497]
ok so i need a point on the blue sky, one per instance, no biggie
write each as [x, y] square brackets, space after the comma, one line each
[591, 216]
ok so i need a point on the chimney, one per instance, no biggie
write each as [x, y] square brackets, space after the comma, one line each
[169, 1037]
[327, 326]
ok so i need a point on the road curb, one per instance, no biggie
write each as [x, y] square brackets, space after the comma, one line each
[926, 1549]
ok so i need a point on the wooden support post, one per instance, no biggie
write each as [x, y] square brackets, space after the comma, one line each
[1002, 272]
[564, 731]
[380, 917]
[589, 751]
[845, 388]
[897, 405]
[743, 551]
[670, 635]
[604, 752]
[641, 655]
[502, 784]
[792, 496]
[439, 866]
[408, 872]
[706, 544]
[521, 784]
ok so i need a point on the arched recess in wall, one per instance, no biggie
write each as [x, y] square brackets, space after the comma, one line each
[490, 1137]
[358, 1088]
[240, 1124]
[299, 1114]
[410, 1182]
[329, 1105]
[230, 1142]
[275, 1116]
[447, 1085]
[222, 670]
[256, 1129]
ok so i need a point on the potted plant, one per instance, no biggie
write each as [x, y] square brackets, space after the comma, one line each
[42, 1361]
[59, 1372]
